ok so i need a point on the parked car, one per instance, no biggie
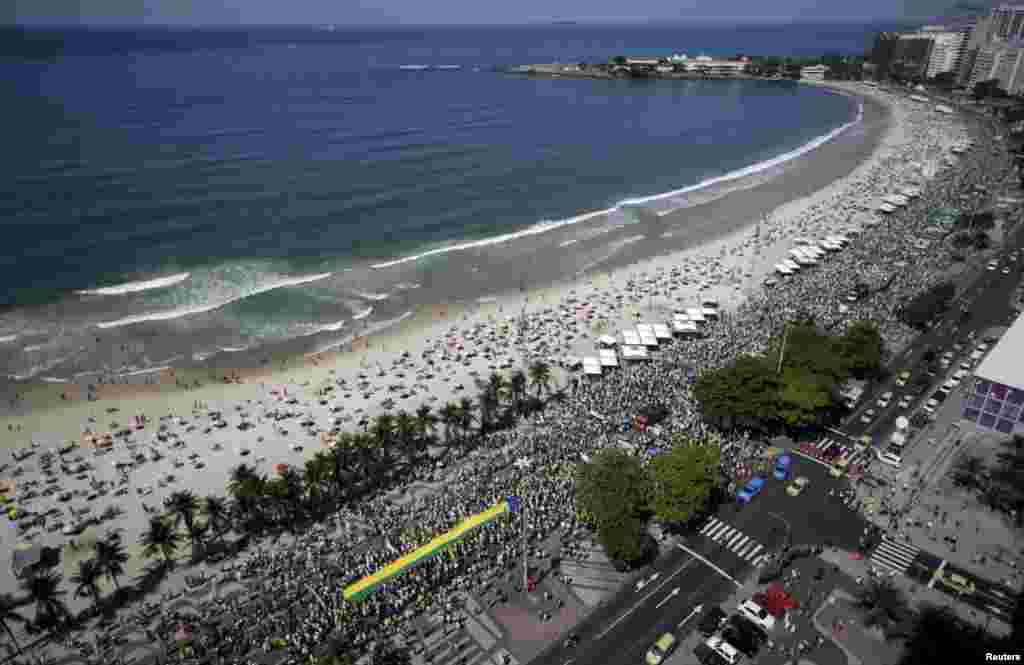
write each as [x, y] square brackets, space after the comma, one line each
[711, 621]
[782, 466]
[884, 400]
[798, 485]
[662, 649]
[958, 583]
[903, 378]
[716, 650]
[751, 490]
[905, 402]
[756, 615]
[867, 416]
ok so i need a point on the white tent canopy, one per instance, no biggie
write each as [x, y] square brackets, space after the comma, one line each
[591, 366]
[631, 338]
[695, 314]
[885, 207]
[647, 336]
[608, 358]
[685, 327]
[607, 340]
[661, 331]
[634, 353]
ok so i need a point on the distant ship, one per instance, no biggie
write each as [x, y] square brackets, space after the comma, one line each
[414, 68]
[449, 67]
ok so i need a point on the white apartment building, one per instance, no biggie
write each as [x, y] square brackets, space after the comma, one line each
[1003, 62]
[946, 52]
[814, 72]
[1008, 22]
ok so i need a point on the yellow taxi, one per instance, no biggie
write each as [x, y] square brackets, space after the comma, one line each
[797, 486]
[958, 583]
[839, 467]
[903, 378]
[661, 649]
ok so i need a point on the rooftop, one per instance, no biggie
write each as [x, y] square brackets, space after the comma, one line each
[1005, 363]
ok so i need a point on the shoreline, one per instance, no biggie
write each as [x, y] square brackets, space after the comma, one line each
[562, 318]
[715, 236]
[207, 334]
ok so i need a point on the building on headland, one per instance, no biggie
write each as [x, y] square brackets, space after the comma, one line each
[814, 72]
[705, 64]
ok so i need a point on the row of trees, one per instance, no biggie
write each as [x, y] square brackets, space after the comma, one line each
[803, 389]
[358, 463]
[616, 494]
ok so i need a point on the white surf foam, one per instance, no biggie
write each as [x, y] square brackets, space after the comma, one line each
[199, 309]
[372, 296]
[147, 370]
[233, 349]
[363, 314]
[52, 379]
[33, 347]
[329, 327]
[549, 225]
[7, 339]
[135, 287]
[568, 242]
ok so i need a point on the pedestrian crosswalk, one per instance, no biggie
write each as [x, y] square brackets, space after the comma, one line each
[735, 541]
[893, 556]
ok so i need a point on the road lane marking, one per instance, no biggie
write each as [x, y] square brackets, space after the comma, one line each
[672, 594]
[713, 566]
[644, 599]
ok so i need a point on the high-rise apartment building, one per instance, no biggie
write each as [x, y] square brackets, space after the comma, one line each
[946, 52]
[1008, 22]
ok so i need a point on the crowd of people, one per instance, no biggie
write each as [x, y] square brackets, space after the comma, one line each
[297, 604]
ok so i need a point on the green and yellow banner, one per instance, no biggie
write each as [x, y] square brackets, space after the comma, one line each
[362, 588]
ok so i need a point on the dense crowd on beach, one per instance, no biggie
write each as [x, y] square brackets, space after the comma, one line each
[299, 598]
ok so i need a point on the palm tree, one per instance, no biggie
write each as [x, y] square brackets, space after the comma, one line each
[488, 407]
[540, 376]
[111, 556]
[425, 421]
[160, 537]
[184, 506]
[383, 429]
[407, 433]
[317, 473]
[451, 418]
[217, 511]
[43, 587]
[885, 605]
[294, 491]
[8, 606]
[466, 417]
[517, 389]
[246, 486]
[87, 580]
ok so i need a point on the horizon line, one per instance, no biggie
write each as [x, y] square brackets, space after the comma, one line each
[552, 22]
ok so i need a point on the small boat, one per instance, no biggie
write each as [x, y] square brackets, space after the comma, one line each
[414, 68]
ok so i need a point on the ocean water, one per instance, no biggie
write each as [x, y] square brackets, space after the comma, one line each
[219, 190]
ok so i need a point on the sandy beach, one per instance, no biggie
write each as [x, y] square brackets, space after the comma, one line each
[722, 251]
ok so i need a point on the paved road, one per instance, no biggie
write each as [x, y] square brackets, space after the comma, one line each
[718, 557]
[987, 298]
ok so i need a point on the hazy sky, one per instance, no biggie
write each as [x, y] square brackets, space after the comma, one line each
[346, 12]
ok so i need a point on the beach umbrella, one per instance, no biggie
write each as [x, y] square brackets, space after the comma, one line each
[183, 633]
[281, 469]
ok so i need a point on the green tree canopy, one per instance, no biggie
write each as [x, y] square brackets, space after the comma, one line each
[683, 479]
[613, 491]
[862, 348]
